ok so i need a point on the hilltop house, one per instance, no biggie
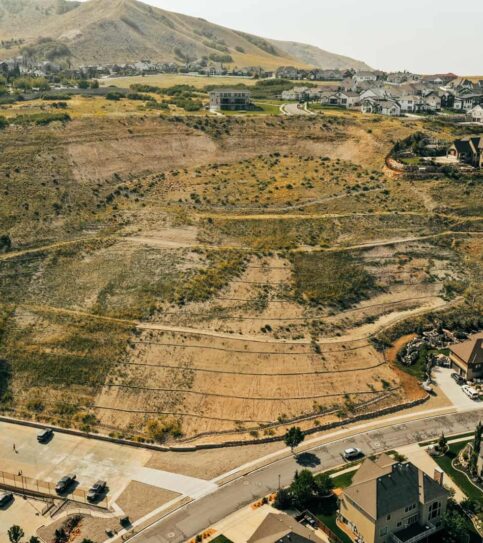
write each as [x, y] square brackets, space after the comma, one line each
[469, 150]
[467, 357]
[230, 100]
[393, 502]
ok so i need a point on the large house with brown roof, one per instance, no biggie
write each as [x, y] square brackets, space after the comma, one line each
[467, 357]
[393, 502]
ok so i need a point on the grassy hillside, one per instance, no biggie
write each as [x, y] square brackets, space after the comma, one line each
[119, 31]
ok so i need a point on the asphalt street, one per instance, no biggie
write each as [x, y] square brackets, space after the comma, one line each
[200, 514]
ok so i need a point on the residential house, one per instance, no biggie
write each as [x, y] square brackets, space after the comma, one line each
[297, 93]
[381, 106]
[467, 357]
[410, 103]
[230, 100]
[347, 99]
[467, 101]
[378, 93]
[280, 528]
[476, 114]
[364, 76]
[393, 502]
[432, 102]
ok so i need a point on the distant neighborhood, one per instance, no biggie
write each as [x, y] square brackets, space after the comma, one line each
[398, 94]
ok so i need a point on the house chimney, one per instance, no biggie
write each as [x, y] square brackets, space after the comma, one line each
[439, 476]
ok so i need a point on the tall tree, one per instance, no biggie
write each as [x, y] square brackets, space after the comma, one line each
[294, 437]
[303, 489]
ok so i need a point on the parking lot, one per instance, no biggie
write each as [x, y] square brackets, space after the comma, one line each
[452, 390]
[90, 460]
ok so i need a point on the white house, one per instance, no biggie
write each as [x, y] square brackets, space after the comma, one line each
[364, 76]
[410, 103]
[382, 107]
[476, 114]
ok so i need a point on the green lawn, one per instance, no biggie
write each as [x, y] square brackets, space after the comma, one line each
[221, 539]
[458, 478]
[344, 480]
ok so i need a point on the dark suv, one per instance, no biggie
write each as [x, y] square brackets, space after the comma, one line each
[97, 491]
[45, 435]
[457, 377]
[65, 483]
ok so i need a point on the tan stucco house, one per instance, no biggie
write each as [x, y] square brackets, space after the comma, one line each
[393, 502]
[467, 357]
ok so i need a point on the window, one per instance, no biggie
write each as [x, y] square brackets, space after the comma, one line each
[410, 508]
[383, 531]
[399, 524]
[412, 520]
[434, 510]
[388, 517]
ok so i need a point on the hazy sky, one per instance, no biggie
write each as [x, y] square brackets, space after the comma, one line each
[426, 36]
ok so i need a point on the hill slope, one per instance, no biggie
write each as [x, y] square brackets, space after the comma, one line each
[318, 57]
[119, 31]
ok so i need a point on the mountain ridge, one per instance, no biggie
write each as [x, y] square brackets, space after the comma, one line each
[120, 31]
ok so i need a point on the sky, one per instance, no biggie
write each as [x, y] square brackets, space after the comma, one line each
[423, 36]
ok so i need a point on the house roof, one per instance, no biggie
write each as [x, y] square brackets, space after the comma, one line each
[384, 486]
[471, 351]
[281, 527]
[244, 91]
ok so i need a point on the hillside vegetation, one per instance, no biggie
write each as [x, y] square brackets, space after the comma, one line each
[218, 277]
[120, 31]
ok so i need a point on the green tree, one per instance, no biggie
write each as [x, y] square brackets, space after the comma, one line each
[303, 489]
[34, 539]
[83, 84]
[15, 534]
[455, 529]
[443, 443]
[294, 437]
[283, 500]
[324, 484]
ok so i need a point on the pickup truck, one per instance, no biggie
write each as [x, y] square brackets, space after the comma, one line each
[65, 483]
[96, 491]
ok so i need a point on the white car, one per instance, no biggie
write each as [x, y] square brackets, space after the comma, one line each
[471, 392]
[352, 453]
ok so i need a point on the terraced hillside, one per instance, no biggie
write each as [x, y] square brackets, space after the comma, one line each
[197, 278]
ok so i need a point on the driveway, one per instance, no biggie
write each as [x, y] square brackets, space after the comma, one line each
[453, 391]
[295, 109]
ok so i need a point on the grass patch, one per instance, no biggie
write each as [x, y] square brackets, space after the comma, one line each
[221, 539]
[330, 279]
[344, 480]
[204, 283]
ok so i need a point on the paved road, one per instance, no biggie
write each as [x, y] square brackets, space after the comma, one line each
[204, 512]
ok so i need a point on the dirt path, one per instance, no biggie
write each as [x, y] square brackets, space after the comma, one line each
[50, 247]
[245, 338]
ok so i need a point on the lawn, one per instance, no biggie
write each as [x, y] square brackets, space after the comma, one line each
[459, 479]
[221, 539]
[169, 80]
[344, 480]
[326, 512]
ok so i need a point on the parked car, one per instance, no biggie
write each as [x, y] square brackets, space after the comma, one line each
[352, 453]
[5, 498]
[65, 483]
[457, 377]
[96, 491]
[45, 435]
[471, 392]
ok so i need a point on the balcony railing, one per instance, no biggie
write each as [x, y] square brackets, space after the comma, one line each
[426, 530]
